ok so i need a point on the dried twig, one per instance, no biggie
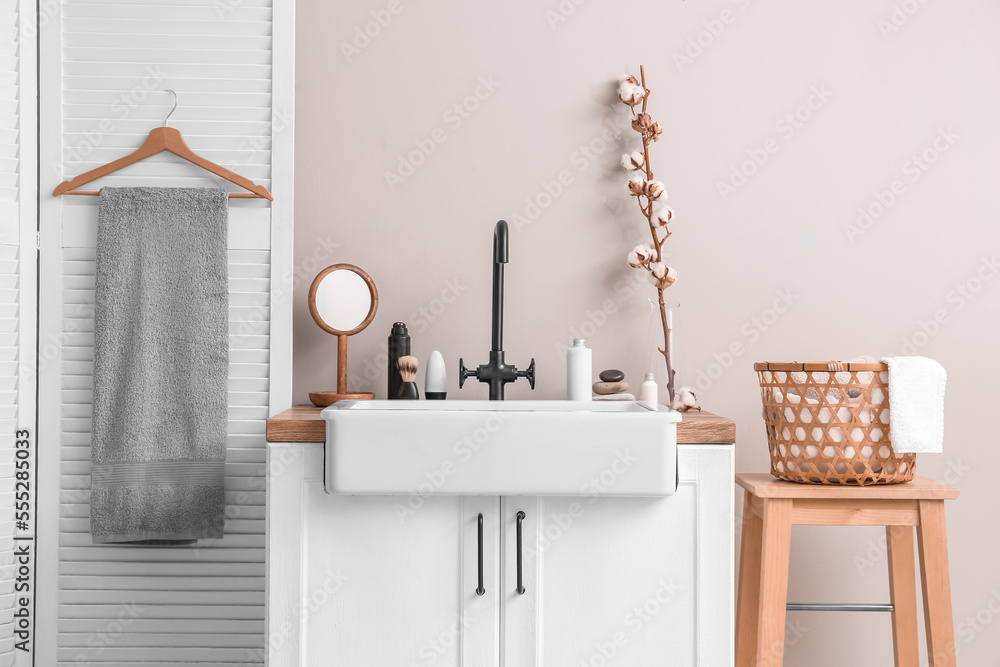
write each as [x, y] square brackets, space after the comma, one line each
[647, 192]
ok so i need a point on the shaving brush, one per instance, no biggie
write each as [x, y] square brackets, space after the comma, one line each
[408, 372]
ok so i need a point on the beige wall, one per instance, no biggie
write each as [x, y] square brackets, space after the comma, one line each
[891, 90]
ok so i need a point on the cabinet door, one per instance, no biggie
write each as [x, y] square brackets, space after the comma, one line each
[628, 581]
[387, 584]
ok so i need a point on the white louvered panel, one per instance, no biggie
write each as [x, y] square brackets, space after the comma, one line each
[202, 604]
[9, 235]
[107, 61]
[118, 54]
[8, 424]
[9, 124]
[9, 153]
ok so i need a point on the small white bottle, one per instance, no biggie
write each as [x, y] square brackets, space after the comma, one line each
[579, 371]
[650, 392]
[435, 378]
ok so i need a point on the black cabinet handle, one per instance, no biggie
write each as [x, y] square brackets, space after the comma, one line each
[520, 585]
[481, 590]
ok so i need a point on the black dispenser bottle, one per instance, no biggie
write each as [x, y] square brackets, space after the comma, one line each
[399, 346]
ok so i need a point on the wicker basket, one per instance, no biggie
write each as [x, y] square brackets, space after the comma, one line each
[828, 423]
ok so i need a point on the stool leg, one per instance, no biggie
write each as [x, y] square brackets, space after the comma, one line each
[749, 587]
[933, 543]
[775, 546]
[903, 595]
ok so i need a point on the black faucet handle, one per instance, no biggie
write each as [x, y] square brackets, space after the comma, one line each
[464, 372]
[529, 373]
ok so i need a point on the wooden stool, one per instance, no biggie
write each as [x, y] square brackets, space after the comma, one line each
[773, 506]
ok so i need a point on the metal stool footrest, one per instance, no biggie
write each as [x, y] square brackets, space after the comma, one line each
[836, 606]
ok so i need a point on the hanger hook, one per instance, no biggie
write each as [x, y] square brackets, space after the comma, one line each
[174, 108]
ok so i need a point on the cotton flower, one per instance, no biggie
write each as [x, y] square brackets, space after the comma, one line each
[655, 190]
[685, 399]
[630, 92]
[669, 278]
[635, 185]
[655, 131]
[640, 254]
[664, 214]
[642, 122]
[633, 161]
[662, 276]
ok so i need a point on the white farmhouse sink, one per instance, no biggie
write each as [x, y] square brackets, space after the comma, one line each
[544, 448]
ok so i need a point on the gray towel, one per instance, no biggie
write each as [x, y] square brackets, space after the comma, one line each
[161, 365]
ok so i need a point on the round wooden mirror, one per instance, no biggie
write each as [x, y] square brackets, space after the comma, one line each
[343, 301]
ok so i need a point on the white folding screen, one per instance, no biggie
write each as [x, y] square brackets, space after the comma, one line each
[9, 218]
[104, 69]
[8, 426]
[18, 268]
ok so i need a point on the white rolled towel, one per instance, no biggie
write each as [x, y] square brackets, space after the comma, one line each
[916, 394]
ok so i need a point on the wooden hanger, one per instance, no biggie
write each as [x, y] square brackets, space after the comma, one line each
[163, 139]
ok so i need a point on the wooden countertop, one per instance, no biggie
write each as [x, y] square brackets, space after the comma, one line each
[302, 423]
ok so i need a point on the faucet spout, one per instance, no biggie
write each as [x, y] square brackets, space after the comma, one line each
[501, 244]
[497, 372]
[501, 252]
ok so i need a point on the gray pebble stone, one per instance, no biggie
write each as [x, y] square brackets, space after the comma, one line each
[612, 375]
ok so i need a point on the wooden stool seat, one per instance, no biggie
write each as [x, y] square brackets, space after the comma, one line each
[773, 506]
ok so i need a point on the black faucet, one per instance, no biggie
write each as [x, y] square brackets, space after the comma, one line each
[497, 373]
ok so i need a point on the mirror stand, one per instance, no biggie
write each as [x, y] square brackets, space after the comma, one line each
[324, 398]
[343, 301]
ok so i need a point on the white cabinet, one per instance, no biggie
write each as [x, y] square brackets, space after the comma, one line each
[387, 589]
[632, 581]
[391, 580]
